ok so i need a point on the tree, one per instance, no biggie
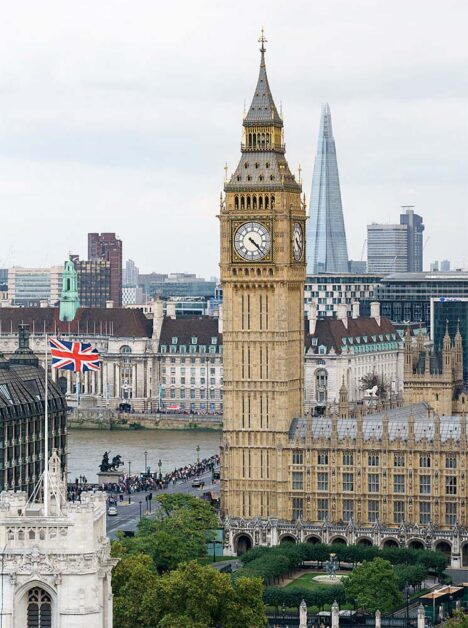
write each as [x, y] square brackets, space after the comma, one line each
[132, 580]
[458, 620]
[196, 595]
[373, 586]
[372, 379]
[178, 534]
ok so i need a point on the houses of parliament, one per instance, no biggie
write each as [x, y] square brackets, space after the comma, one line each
[392, 476]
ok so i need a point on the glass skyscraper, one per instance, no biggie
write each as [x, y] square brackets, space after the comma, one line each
[326, 237]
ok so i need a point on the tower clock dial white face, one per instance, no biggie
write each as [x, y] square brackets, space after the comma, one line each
[252, 241]
[297, 242]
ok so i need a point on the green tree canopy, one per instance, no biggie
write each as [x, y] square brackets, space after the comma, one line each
[373, 586]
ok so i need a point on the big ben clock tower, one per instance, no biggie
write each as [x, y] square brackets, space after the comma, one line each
[262, 272]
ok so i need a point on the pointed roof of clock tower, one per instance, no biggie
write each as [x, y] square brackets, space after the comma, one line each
[262, 109]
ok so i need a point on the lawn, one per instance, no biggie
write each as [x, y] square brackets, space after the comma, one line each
[307, 581]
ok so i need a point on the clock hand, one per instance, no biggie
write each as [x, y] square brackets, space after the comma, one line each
[254, 243]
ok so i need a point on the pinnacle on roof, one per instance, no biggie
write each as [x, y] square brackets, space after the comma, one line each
[262, 109]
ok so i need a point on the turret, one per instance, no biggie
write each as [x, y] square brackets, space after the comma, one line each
[458, 355]
[344, 400]
[446, 353]
[408, 353]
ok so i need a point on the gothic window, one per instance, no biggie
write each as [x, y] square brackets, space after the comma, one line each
[450, 462]
[348, 482]
[373, 510]
[322, 509]
[424, 484]
[398, 484]
[321, 381]
[39, 609]
[268, 139]
[266, 202]
[272, 201]
[373, 460]
[297, 508]
[297, 457]
[260, 202]
[425, 461]
[267, 165]
[322, 457]
[399, 460]
[248, 201]
[450, 513]
[425, 512]
[373, 482]
[348, 458]
[348, 509]
[250, 140]
[256, 164]
[254, 202]
[398, 512]
[246, 165]
[236, 200]
[322, 481]
[298, 481]
[451, 485]
[242, 202]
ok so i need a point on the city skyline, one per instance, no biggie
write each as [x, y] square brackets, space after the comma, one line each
[112, 145]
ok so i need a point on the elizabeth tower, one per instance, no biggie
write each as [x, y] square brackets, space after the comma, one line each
[262, 220]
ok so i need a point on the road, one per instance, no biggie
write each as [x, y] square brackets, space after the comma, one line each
[128, 515]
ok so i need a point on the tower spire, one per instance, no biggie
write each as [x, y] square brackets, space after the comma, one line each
[262, 40]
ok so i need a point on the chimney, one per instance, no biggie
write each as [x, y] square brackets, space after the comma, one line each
[109, 305]
[171, 309]
[158, 316]
[220, 319]
[375, 311]
[342, 313]
[355, 309]
[311, 310]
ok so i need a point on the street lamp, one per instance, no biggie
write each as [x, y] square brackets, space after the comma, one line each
[139, 503]
[129, 468]
[407, 589]
[146, 461]
[160, 465]
[198, 453]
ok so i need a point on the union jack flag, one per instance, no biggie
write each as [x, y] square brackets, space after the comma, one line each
[74, 356]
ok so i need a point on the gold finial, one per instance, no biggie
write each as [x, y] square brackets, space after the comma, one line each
[300, 172]
[225, 172]
[262, 40]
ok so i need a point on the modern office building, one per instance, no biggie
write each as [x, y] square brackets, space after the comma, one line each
[29, 287]
[130, 274]
[94, 282]
[451, 313]
[445, 266]
[414, 232]
[175, 285]
[387, 248]
[327, 291]
[395, 248]
[22, 417]
[406, 297]
[3, 279]
[327, 250]
[107, 247]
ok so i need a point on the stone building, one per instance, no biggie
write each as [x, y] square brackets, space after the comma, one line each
[191, 365]
[55, 570]
[123, 337]
[435, 376]
[22, 386]
[346, 349]
[392, 477]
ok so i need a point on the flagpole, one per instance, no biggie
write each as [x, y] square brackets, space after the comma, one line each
[46, 433]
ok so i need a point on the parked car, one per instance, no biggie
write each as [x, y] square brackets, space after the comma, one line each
[112, 510]
[197, 483]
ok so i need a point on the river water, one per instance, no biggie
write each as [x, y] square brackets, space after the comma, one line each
[175, 448]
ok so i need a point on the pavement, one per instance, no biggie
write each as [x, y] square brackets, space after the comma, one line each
[128, 514]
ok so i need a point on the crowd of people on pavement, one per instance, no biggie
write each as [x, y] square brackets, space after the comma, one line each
[145, 482]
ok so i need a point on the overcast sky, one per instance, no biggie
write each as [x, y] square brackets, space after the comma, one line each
[120, 115]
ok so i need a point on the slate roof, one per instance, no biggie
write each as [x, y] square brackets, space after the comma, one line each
[398, 419]
[332, 333]
[262, 109]
[184, 329]
[117, 322]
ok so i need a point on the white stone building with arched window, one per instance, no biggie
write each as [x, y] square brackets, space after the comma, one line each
[55, 570]
[346, 349]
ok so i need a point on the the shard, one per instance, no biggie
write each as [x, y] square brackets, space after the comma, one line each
[326, 236]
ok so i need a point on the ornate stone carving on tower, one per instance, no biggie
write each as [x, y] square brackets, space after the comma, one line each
[262, 220]
[56, 569]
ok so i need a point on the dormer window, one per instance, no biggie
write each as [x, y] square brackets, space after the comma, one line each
[214, 340]
[267, 165]
[194, 340]
[238, 177]
[246, 165]
[256, 164]
[272, 177]
[249, 178]
[261, 177]
[174, 340]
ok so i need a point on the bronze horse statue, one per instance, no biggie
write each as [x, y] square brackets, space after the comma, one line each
[110, 465]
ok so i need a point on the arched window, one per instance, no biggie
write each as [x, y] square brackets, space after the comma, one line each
[254, 202]
[254, 140]
[321, 383]
[263, 140]
[268, 139]
[248, 201]
[125, 349]
[242, 202]
[266, 202]
[62, 384]
[68, 285]
[260, 202]
[236, 202]
[250, 140]
[273, 202]
[39, 609]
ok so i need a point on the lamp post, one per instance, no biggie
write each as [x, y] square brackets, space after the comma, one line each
[146, 461]
[129, 468]
[160, 465]
[139, 503]
[407, 602]
[198, 453]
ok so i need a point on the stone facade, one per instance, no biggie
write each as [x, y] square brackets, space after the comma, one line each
[55, 567]
[394, 477]
[346, 349]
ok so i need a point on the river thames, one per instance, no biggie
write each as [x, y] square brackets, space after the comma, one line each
[175, 448]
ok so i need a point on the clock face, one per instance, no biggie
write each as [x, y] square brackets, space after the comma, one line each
[252, 241]
[297, 242]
